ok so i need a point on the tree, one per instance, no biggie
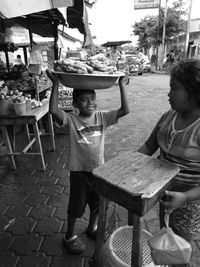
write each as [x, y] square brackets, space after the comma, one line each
[147, 28]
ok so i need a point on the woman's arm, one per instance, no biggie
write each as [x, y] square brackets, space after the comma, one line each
[175, 200]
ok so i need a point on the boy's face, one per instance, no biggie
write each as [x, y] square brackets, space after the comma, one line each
[86, 103]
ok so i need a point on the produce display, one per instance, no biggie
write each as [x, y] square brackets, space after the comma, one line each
[94, 64]
[65, 98]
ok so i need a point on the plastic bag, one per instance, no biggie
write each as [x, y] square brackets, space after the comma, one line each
[169, 248]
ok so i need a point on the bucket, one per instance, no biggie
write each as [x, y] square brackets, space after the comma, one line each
[28, 105]
[20, 108]
[5, 107]
[117, 249]
[35, 68]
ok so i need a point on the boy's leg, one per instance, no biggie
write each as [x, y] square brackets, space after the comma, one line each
[76, 208]
[93, 203]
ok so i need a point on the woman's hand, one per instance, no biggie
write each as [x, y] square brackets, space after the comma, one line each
[174, 200]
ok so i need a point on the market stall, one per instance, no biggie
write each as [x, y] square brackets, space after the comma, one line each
[24, 90]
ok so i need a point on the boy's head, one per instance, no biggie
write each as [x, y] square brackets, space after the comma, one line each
[85, 101]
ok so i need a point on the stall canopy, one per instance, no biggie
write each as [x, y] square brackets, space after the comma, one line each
[115, 43]
[16, 8]
[40, 23]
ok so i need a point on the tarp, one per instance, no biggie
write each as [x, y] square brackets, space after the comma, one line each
[16, 8]
[115, 43]
[40, 23]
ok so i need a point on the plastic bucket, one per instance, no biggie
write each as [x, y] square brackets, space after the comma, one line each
[28, 105]
[35, 68]
[118, 248]
[5, 107]
[20, 108]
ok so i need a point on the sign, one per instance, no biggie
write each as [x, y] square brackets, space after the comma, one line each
[144, 4]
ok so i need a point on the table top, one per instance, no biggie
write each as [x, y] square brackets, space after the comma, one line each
[33, 115]
[134, 176]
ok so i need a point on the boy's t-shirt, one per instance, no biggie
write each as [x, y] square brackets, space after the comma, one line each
[86, 139]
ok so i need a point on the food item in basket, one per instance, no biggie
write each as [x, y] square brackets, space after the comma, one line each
[94, 63]
[72, 66]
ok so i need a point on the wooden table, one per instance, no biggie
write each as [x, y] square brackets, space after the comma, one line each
[32, 117]
[136, 182]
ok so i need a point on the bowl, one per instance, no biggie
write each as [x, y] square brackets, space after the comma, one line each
[88, 81]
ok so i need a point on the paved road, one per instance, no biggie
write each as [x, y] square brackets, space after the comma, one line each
[33, 203]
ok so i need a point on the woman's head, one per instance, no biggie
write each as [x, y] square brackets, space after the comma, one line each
[187, 72]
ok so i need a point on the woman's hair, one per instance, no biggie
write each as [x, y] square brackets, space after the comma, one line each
[78, 92]
[188, 73]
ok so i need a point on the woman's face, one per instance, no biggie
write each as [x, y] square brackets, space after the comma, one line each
[179, 98]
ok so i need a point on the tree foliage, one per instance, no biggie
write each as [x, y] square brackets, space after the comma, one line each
[150, 29]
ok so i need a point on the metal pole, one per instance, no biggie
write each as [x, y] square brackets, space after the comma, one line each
[158, 35]
[188, 31]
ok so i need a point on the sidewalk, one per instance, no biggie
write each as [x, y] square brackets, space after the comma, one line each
[33, 206]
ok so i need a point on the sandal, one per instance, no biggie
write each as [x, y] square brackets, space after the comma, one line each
[74, 245]
[91, 234]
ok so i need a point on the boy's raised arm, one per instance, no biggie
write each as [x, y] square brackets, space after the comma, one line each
[53, 104]
[124, 109]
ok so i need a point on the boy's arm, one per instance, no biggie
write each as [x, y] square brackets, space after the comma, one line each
[124, 109]
[53, 104]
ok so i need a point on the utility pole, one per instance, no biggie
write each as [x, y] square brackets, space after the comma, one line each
[158, 35]
[163, 36]
[188, 30]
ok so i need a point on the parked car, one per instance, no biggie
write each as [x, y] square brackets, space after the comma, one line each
[134, 65]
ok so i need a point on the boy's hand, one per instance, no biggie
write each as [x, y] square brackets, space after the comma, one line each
[52, 76]
[122, 80]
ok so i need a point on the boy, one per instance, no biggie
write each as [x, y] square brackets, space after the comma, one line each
[86, 152]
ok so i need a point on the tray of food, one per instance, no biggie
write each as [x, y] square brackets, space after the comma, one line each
[88, 81]
[90, 74]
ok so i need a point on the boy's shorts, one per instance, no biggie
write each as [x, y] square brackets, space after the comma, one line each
[81, 194]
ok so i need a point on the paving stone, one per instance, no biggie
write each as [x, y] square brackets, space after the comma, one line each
[36, 199]
[47, 180]
[58, 200]
[53, 189]
[12, 199]
[48, 226]
[26, 244]
[8, 259]
[21, 226]
[61, 213]
[29, 188]
[35, 260]
[41, 212]
[53, 245]
[20, 210]
[5, 241]
[68, 261]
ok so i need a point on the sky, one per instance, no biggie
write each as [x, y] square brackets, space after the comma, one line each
[111, 20]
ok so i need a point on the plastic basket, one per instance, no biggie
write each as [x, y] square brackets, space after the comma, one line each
[118, 248]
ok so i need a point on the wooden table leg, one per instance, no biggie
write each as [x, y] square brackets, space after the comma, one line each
[51, 129]
[27, 134]
[101, 233]
[8, 144]
[137, 240]
[38, 143]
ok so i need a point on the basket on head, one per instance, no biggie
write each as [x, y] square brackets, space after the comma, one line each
[118, 247]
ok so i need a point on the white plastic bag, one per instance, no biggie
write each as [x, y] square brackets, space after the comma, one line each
[169, 248]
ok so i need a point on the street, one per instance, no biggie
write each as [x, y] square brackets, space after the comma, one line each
[33, 207]
[148, 99]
